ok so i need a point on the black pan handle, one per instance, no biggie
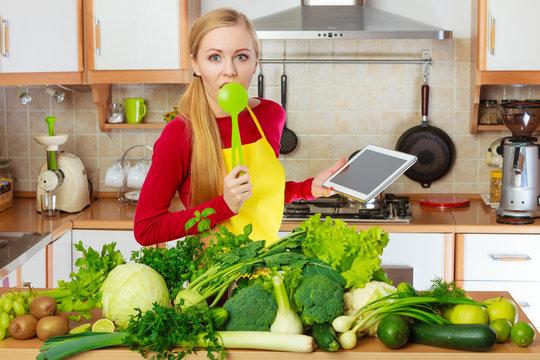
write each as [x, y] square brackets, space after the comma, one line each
[425, 101]
[260, 85]
[284, 91]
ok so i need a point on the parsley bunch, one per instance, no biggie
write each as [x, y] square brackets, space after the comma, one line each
[163, 328]
[190, 258]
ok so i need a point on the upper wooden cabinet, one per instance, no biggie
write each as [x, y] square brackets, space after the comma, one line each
[125, 41]
[513, 29]
[138, 41]
[41, 42]
[505, 48]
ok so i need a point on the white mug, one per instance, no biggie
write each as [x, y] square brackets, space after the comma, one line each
[115, 176]
[136, 176]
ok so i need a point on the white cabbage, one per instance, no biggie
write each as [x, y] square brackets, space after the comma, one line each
[131, 286]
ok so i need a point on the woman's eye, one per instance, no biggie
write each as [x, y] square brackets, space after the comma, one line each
[241, 57]
[214, 58]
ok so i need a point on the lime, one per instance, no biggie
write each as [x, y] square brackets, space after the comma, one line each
[502, 328]
[103, 325]
[393, 331]
[80, 329]
[522, 333]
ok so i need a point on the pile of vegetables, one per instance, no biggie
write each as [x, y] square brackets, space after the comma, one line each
[321, 284]
[277, 293]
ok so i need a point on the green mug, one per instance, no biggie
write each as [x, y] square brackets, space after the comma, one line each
[135, 110]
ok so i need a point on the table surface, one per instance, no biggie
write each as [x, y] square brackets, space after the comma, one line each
[367, 348]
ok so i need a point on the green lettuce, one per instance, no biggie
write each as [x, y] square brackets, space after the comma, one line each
[354, 254]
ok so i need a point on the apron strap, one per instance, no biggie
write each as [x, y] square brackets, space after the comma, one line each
[256, 122]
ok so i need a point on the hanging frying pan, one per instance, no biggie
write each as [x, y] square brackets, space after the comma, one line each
[432, 146]
[288, 137]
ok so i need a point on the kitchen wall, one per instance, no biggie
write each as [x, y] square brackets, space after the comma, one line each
[333, 108]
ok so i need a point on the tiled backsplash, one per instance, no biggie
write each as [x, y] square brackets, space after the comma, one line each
[334, 109]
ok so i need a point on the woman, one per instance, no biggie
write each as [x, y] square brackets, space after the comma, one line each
[193, 155]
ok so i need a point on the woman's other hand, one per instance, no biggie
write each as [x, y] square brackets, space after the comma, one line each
[237, 188]
[317, 189]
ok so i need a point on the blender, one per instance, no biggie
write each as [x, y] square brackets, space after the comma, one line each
[520, 188]
[63, 175]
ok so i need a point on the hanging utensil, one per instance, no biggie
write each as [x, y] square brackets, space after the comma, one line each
[288, 137]
[233, 98]
[260, 83]
[433, 147]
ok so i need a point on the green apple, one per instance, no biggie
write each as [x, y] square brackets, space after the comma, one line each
[469, 314]
[502, 308]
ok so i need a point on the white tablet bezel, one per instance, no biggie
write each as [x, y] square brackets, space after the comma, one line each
[409, 161]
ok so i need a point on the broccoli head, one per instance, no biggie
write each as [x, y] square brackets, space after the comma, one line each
[319, 299]
[251, 309]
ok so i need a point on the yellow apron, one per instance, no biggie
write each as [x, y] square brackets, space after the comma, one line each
[264, 209]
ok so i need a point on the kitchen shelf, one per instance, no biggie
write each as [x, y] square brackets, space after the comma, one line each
[480, 76]
[108, 126]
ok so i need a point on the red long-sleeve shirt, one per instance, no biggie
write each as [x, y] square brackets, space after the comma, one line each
[170, 173]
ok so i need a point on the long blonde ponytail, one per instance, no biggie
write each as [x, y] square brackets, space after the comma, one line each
[207, 164]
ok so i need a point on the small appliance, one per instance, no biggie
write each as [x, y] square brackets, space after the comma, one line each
[520, 188]
[63, 175]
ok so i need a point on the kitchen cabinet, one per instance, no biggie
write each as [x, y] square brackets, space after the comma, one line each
[136, 42]
[424, 252]
[59, 262]
[509, 262]
[505, 50]
[33, 271]
[42, 42]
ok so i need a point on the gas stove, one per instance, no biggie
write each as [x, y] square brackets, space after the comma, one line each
[390, 208]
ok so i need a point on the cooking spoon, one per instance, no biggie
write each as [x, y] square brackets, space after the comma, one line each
[233, 98]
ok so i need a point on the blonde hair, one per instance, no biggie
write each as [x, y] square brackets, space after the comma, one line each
[207, 164]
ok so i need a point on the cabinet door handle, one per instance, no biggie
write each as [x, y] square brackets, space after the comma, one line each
[524, 304]
[98, 37]
[492, 37]
[510, 257]
[5, 30]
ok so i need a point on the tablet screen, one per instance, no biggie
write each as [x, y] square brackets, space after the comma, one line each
[372, 167]
[369, 172]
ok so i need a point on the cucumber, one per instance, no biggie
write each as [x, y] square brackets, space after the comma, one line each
[325, 337]
[469, 337]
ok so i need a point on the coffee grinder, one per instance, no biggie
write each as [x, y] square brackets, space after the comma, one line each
[520, 188]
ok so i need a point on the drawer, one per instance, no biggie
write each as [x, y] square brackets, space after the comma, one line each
[502, 257]
[526, 294]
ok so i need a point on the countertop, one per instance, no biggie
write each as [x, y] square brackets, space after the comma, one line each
[367, 348]
[109, 213]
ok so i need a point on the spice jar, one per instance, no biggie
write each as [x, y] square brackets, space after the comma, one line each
[6, 184]
[487, 112]
[115, 114]
[495, 186]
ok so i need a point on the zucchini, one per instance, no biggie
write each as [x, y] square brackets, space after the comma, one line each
[469, 337]
[325, 337]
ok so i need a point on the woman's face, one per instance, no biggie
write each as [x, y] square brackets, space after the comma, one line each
[226, 54]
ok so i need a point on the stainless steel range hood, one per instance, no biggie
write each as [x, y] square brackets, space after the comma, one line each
[342, 19]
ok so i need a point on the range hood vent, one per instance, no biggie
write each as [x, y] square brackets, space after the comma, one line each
[325, 19]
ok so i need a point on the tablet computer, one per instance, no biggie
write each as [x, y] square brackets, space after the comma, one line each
[369, 172]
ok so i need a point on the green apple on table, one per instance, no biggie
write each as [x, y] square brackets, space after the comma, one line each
[501, 308]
